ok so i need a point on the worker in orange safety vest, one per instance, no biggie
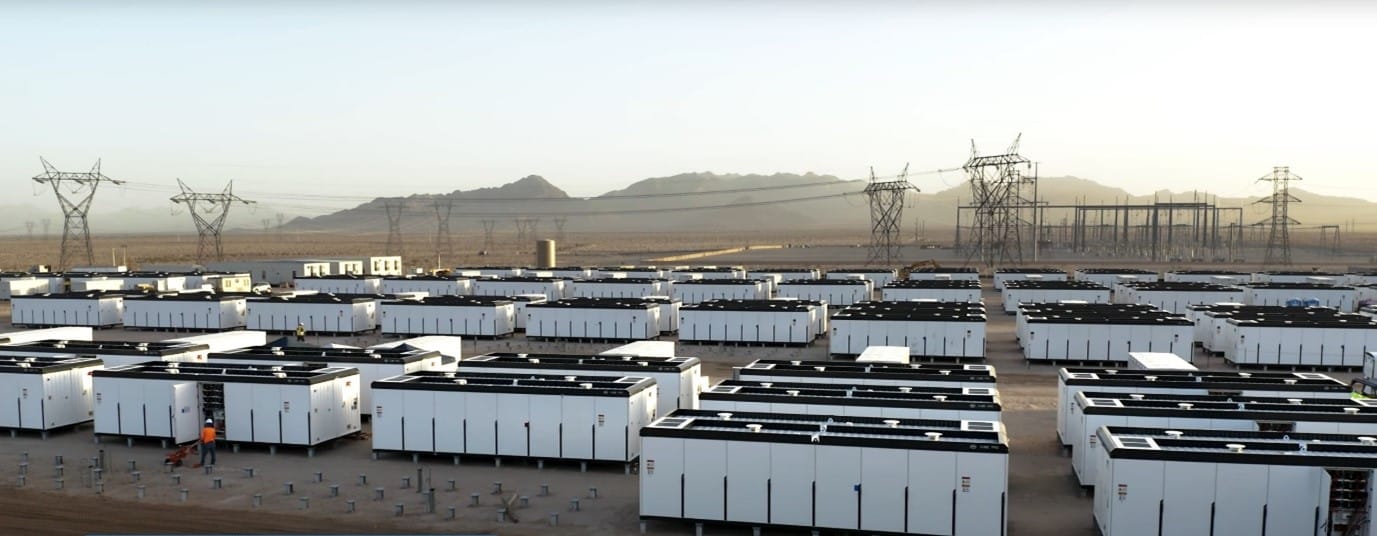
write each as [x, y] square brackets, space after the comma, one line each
[208, 442]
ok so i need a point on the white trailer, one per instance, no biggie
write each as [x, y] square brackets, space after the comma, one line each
[700, 290]
[1160, 481]
[819, 472]
[297, 405]
[1176, 297]
[112, 353]
[75, 333]
[878, 277]
[1303, 385]
[274, 272]
[200, 311]
[593, 319]
[944, 274]
[22, 286]
[676, 377]
[1017, 292]
[340, 284]
[900, 402]
[643, 349]
[928, 329]
[585, 418]
[942, 290]
[1338, 342]
[320, 313]
[1108, 277]
[783, 322]
[469, 316]
[623, 287]
[372, 363]
[225, 341]
[1307, 294]
[223, 282]
[383, 265]
[1003, 275]
[550, 287]
[1219, 277]
[93, 309]
[432, 285]
[669, 312]
[1226, 413]
[862, 374]
[837, 292]
[45, 393]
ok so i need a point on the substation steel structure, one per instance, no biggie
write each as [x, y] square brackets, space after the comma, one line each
[208, 211]
[74, 191]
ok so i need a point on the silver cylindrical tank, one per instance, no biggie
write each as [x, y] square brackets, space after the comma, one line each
[545, 254]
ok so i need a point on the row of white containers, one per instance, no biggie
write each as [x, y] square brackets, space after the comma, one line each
[759, 321]
[936, 337]
[586, 319]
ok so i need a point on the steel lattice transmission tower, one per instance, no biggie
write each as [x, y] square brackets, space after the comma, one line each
[1001, 206]
[444, 241]
[886, 216]
[488, 227]
[74, 193]
[394, 225]
[209, 212]
[1280, 222]
[559, 229]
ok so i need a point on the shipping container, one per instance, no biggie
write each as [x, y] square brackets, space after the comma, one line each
[878, 277]
[836, 292]
[928, 329]
[489, 271]
[1100, 332]
[896, 401]
[372, 363]
[1343, 298]
[319, 313]
[700, 290]
[785, 322]
[1176, 297]
[948, 290]
[1003, 275]
[643, 349]
[45, 392]
[199, 311]
[93, 309]
[550, 287]
[669, 312]
[1108, 277]
[469, 316]
[340, 284]
[944, 274]
[861, 374]
[608, 319]
[1017, 292]
[432, 285]
[1218, 277]
[677, 377]
[624, 287]
[112, 353]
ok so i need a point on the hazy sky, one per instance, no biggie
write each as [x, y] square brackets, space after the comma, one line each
[400, 97]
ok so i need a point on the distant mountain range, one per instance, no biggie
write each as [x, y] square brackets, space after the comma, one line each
[675, 203]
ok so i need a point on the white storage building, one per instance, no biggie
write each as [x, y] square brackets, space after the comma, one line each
[1172, 481]
[601, 319]
[551, 287]
[384, 265]
[74, 333]
[1225, 413]
[700, 290]
[861, 374]
[878, 277]
[928, 329]
[686, 273]
[582, 418]
[1340, 341]
[274, 272]
[96, 283]
[198, 311]
[93, 309]
[944, 274]
[1307, 294]
[45, 393]
[787, 322]
[669, 312]
[1218, 277]
[112, 353]
[676, 377]
[833, 473]
[1108, 277]
[298, 405]
[1215, 334]
[340, 284]
[372, 363]
[1303, 385]
[469, 316]
[320, 313]
[1017, 292]
[901, 402]
[225, 341]
[156, 281]
[432, 285]
[621, 287]
[1176, 297]
[1004, 275]
[942, 290]
[1082, 333]
[836, 292]
[489, 271]
[22, 285]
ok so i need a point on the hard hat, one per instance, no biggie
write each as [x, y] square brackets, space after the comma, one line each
[208, 421]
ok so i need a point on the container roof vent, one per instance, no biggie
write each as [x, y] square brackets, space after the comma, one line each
[1136, 443]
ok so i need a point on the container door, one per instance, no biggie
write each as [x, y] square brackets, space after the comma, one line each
[884, 483]
[612, 436]
[32, 406]
[387, 420]
[418, 420]
[480, 423]
[1187, 496]
[838, 471]
[791, 484]
[662, 476]
[267, 424]
[239, 411]
[982, 482]
[546, 417]
[748, 481]
[449, 421]
[579, 415]
[513, 424]
[1238, 512]
[187, 418]
[1292, 498]
[931, 491]
[705, 463]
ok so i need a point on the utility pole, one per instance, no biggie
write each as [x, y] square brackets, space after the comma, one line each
[394, 225]
[886, 216]
[1280, 222]
[444, 242]
[216, 206]
[81, 187]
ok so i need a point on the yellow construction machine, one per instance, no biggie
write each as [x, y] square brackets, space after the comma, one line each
[903, 272]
